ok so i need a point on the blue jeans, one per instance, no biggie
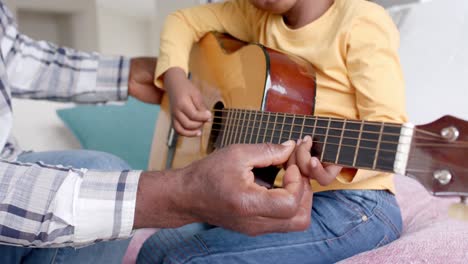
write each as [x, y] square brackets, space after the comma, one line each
[344, 223]
[104, 252]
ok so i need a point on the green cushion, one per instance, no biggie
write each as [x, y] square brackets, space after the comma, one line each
[123, 130]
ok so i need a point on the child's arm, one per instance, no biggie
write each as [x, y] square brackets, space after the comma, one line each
[181, 30]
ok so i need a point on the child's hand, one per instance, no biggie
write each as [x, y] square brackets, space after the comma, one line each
[188, 109]
[311, 166]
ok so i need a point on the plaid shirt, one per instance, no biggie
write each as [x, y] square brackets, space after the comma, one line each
[45, 206]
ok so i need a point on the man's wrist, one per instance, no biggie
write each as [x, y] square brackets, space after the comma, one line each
[161, 201]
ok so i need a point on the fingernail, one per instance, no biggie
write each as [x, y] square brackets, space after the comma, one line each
[199, 133]
[314, 162]
[288, 143]
[307, 138]
[299, 141]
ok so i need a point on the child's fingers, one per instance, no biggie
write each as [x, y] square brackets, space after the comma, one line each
[187, 123]
[202, 113]
[320, 174]
[196, 115]
[185, 132]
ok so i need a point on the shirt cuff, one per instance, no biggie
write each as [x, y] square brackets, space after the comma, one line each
[112, 78]
[104, 206]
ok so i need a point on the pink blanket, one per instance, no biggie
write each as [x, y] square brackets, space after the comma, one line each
[429, 236]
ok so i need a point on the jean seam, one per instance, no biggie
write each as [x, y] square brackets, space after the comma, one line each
[354, 207]
[199, 239]
[55, 256]
[205, 247]
[382, 242]
[388, 222]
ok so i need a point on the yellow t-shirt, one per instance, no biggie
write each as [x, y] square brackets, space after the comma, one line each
[353, 47]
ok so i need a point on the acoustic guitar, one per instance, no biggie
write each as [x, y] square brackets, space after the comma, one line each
[262, 95]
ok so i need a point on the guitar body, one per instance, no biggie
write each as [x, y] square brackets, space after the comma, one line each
[234, 74]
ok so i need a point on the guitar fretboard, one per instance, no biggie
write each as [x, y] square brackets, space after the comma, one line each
[351, 143]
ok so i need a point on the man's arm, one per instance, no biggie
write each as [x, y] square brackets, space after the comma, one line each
[42, 70]
[43, 206]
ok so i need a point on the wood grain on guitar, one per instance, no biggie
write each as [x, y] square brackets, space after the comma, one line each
[262, 95]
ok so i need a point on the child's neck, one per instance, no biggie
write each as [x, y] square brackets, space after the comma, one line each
[306, 12]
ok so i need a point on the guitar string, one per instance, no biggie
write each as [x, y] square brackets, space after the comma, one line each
[270, 132]
[270, 114]
[282, 139]
[288, 115]
[243, 112]
[340, 130]
[261, 121]
[421, 162]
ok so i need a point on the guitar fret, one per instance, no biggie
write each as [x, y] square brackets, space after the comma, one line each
[223, 129]
[254, 125]
[247, 132]
[228, 128]
[302, 128]
[358, 143]
[389, 147]
[326, 138]
[282, 127]
[341, 142]
[315, 128]
[259, 128]
[273, 133]
[292, 127]
[242, 125]
[234, 128]
[378, 146]
[267, 123]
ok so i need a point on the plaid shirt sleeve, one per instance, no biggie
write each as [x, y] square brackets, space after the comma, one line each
[43, 206]
[41, 70]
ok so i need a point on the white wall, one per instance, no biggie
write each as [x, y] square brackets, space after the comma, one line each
[164, 8]
[120, 33]
[84, 25]
[434, 55]
[43, 25]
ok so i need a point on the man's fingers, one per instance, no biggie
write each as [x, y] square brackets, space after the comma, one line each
[299, 219]
[264, 155]
[281, 203]
[302, 155]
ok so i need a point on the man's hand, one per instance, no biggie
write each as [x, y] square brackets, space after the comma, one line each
[141, 81]
[311, 166]
[221, 190]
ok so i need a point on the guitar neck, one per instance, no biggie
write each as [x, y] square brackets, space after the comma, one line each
[350, 143]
